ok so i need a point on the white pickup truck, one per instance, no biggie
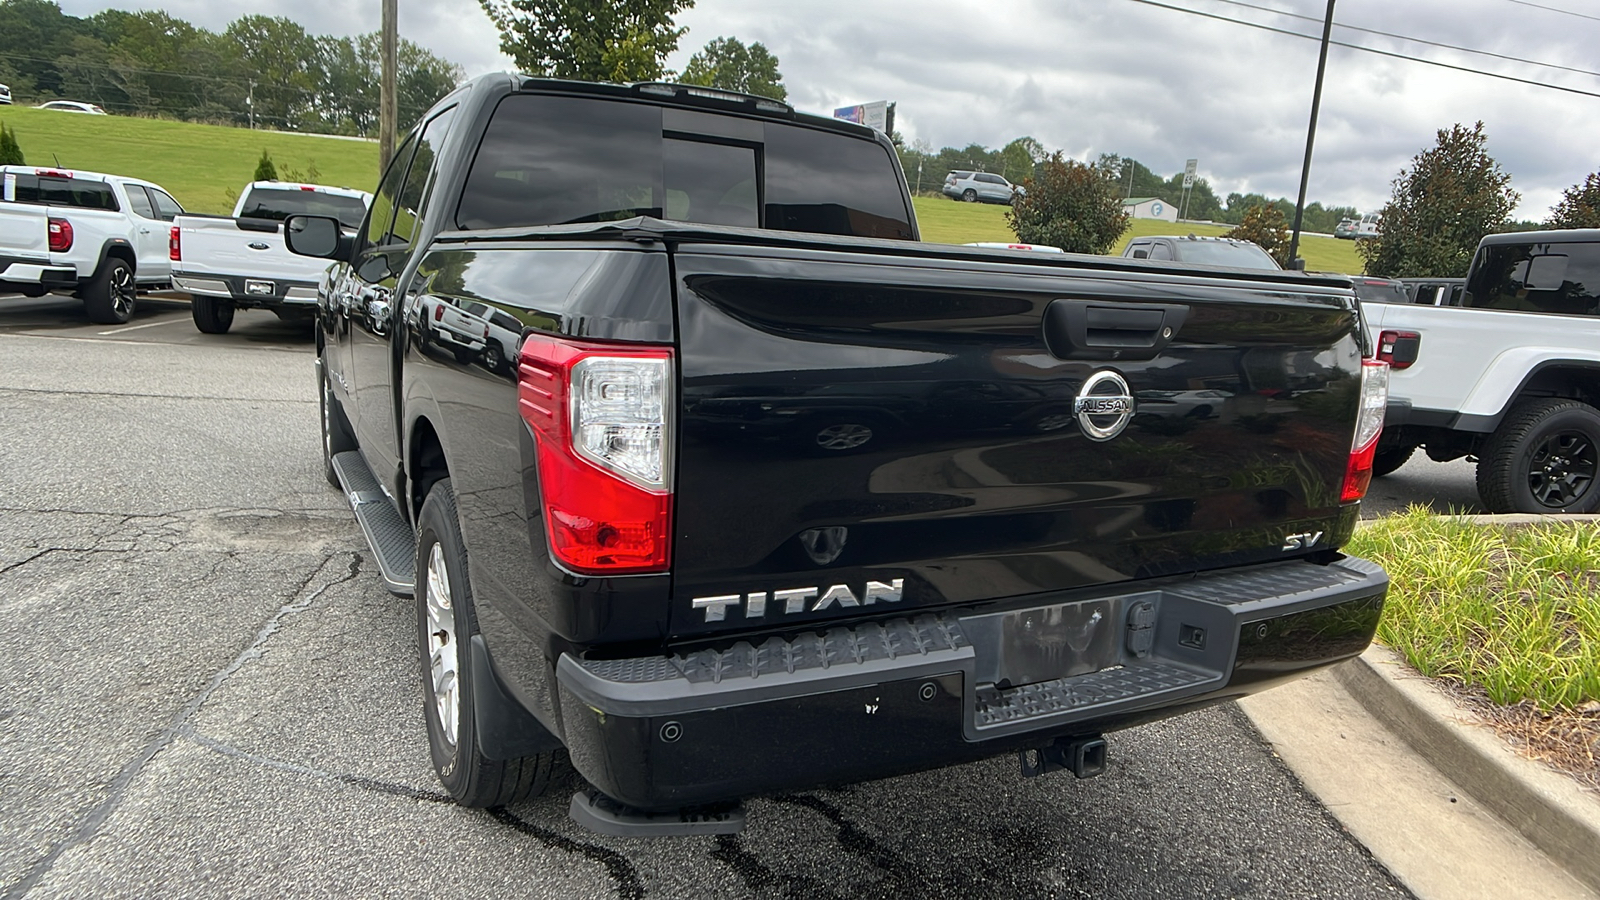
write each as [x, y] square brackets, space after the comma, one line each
[1510, 377]
[103, 237]
[240, 262]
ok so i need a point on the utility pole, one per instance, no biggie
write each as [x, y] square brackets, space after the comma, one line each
[387, 108]
[1311, 136]
[250, 101]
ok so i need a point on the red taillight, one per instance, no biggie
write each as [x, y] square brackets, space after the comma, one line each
[175, 245]
[60, 235]
[438, 312]
[1374, 399]
[601, 419]
[1399, 348]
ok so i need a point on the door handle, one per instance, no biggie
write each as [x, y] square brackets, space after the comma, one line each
[1107, 329]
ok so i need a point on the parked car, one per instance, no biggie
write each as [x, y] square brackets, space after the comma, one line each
[72, 106]
[106, 236]
[996, 245]
[985, 187]
[1205, 251]
[1370, 226]
[1346, 229]
[227, 263]
[1508, 377]
[606, 568]
[5, 94]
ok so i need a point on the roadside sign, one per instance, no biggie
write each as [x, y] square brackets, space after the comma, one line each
[873, 115]
[1188, 172]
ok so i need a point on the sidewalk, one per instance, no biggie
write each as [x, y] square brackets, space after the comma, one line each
[1443, 802]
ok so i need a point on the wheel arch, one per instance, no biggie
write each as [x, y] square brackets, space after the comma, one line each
[117, 248]
[426, 461]
[1569, 379]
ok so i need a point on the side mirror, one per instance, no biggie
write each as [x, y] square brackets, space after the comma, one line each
[314, 236]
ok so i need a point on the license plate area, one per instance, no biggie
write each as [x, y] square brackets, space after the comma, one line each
[1036, 666]
[254, 288]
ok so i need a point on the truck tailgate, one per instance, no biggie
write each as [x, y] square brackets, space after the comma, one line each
[251, 247]
[860, 430]
[24, 233]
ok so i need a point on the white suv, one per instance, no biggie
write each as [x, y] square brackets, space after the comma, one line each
[5, 94]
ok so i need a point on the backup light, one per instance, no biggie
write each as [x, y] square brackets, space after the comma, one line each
[601, 418]
[1369, 425]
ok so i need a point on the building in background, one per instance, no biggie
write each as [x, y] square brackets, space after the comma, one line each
[1150, 208]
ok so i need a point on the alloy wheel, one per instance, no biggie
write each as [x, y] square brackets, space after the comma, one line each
[444, 656]
[1562, 469]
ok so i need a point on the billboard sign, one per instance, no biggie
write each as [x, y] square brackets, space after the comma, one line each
[873, 115]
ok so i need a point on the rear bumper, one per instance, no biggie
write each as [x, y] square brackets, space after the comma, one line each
[248, 291]
[886, 698]
[31, 273]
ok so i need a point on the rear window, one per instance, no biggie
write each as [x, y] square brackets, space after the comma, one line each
[281, 203]
[1555, 278]
[1222, 253]
[49, 190]
[1377, 290]
[558, 160]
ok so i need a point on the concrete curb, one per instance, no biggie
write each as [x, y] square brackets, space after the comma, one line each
[1549, 809]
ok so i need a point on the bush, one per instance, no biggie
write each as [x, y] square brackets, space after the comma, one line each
[1265, 226]
[265, 170]
[1579, 206]
[10, 150]
[1069, 205]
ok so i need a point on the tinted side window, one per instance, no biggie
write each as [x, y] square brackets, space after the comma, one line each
[167, 208]
[1556, 278]
[1160, 251]
[383, 201]
[832, 184]
[414, 195]
[140, 201]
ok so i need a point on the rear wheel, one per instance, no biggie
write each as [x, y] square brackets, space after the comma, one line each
[1542, 459]
[109, 299]
[212, 315]
[445, 626]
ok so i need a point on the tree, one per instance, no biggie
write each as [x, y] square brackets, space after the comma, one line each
[1018, 158]
[590, 40]
[276, 53]
[728, 64]
[1266, 226]
[1070, 205]
[10, 150]
[265, 170]
[1453, 194]
[1579, 206]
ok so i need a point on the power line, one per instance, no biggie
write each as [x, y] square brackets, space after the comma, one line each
[1426, 62]
[1415, 40]
[1566, 12]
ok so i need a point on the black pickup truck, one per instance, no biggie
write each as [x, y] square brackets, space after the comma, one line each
[705, 472]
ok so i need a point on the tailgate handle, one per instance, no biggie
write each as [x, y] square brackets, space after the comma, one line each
[1103, 329]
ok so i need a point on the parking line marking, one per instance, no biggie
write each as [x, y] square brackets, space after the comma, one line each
[136, 327]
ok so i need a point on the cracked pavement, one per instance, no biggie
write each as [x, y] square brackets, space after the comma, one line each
[209, 693]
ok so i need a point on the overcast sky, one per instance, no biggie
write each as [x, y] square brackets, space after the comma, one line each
[1130, 77]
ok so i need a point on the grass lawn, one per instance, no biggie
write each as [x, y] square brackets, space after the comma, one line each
[949, 221]
[199, 164]
[1510, 614]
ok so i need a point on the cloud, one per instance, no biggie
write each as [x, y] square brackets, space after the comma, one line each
[1120, 76]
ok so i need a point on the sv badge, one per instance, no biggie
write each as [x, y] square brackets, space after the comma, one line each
[1302, 541]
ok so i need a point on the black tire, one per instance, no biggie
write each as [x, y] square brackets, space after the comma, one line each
[493, 358]
[969, 195]
[34, 290]
[465, 773]
[109, 298]
[212, 315]
[1388, 459]
[1542, 459]
[337, 435]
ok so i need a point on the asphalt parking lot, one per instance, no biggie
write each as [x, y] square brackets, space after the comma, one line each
[210, 693]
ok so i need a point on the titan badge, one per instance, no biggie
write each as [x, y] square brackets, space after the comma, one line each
[1104, 405]
[795, 600]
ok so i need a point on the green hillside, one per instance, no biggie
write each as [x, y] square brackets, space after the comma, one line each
[203, 166]
[950, 222]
